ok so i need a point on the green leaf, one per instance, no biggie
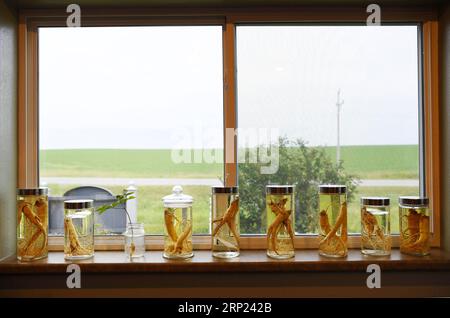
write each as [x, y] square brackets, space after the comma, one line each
[120, 199]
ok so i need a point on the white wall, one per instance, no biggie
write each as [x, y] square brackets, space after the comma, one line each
[8, 135]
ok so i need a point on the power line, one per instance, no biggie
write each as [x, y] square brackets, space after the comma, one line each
[339, 104]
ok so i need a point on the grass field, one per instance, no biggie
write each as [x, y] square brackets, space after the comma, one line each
[150, 208]
[380, 162]
[368, 162]
[110, 163]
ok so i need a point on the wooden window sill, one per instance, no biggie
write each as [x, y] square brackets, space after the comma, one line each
[249, 261]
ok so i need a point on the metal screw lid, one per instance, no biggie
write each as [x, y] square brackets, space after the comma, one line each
[219, 189]
[279, 189]
[413, 201]
[78, 204]
[375, 201]
[332, 189]
[33, 191]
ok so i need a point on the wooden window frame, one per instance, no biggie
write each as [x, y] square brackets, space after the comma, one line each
[28, 146]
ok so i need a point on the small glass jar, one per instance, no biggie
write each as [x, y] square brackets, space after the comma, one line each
[32, 224]
[280, 221]
[225, 222]
[178, 225]
[375, 226]
[78, 229]
[333, 220]
[134, 240]
[414, 225]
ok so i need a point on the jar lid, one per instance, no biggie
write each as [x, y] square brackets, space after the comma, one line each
[177, 197]
[279, 189]
[375, 201]
[332, 189]
[413, 201]
[219, 189]
[78, 204]
[33, 191]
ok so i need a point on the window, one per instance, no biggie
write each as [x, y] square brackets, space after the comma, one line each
[295, 76]
[122, 104]
[250, 77]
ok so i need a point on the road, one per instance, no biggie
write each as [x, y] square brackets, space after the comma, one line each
[389, 183]
[200, 182]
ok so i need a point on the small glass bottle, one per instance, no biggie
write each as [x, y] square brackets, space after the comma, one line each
[178, 225]
[375, 226]
[32, 224]
[134, 240]
[414, 225]
[225, 222]
[280, 221]
[333, 220]
[78, 229]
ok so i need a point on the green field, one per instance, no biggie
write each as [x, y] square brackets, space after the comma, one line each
[368, 162]
[154, 163]
[150, 208]
[380, 162]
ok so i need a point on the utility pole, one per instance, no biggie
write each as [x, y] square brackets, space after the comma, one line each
[339, 104]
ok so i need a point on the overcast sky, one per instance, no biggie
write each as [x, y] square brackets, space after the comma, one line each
[161, 87]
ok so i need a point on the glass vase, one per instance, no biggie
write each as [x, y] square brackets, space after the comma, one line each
[134, 240]
[32, 224]
[280, 221]
[225, 222]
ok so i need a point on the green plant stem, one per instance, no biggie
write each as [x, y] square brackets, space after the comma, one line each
[132, 233]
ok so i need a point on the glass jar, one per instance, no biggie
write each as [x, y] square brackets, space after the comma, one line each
[414, 225]
[280, 221]
[375, 226]
[178, 225]
[225, 222]
[78, 229]
[333, 220]
[134, 240]
[32, 224]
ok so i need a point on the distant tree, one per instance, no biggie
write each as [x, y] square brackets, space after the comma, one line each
[299, 165]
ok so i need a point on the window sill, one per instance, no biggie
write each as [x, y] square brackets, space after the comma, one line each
[249, 261]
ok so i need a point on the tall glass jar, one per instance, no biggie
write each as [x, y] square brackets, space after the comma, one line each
[280, 221]
[225, 222]
[375, 226]
[78, 229]
[333, 220]
[414, 225]
[178, 225]
[134, 240]
[32, 224]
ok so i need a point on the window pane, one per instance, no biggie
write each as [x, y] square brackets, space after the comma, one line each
[116, 103]
[288, 83]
